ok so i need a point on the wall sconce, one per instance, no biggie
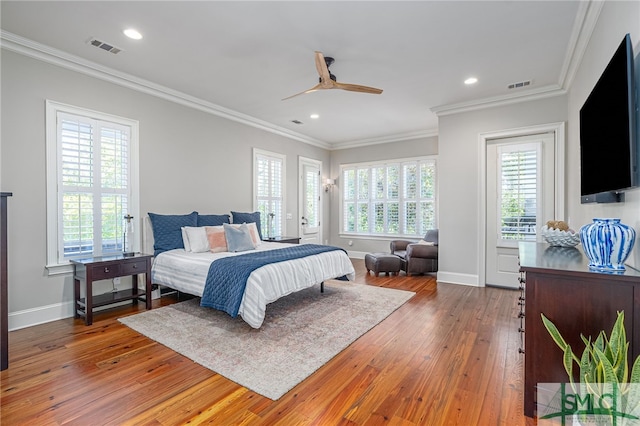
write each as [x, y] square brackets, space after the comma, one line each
[328, 184]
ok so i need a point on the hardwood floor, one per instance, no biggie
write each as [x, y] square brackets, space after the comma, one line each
[449, 356]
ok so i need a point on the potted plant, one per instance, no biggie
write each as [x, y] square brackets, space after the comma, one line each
[605, 388]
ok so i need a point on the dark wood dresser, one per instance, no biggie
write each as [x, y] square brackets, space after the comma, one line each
[557, 282]
[4, 284]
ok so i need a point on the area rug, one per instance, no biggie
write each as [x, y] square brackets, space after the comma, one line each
[301, 333]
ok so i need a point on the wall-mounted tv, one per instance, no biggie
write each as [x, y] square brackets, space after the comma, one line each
[608, 134]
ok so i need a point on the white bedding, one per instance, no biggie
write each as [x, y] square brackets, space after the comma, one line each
[187, 272]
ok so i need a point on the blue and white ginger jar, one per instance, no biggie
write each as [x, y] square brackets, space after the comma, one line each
[607, 243]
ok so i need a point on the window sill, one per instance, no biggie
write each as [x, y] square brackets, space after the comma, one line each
[59, 269]
[385, 237]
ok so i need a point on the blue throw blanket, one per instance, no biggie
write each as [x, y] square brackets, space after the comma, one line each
[228, 276]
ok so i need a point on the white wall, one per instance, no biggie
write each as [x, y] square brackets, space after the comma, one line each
[405, 149]
[616, 19]
[189, 160]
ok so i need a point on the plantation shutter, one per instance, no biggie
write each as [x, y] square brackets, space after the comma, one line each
[93, 182]
[269, 192]
[389, 198]
[519, 187]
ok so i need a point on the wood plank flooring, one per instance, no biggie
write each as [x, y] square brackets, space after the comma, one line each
[449, 356]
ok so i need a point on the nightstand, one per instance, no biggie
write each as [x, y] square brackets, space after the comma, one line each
[290, 240]
[104, 268]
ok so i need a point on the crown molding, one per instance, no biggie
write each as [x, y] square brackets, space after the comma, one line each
[583, 26]
[32, 49]
[586, 19]
[529, 95]
[385, 139]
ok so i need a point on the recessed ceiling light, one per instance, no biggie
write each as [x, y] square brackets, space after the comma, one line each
[314, 116]
[131, 33]
[471, 80]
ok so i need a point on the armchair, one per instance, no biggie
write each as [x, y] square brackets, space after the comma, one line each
[418, 257]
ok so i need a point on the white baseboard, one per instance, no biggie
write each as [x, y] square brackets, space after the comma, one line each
[44, 314]
[40, 315]
[456, 278]
[356, 254]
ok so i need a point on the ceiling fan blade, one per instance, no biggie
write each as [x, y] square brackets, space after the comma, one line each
[323, 70]
[357, 88]
[313, 89]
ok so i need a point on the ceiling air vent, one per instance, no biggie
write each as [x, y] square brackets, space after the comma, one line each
[296, 121]
[104, 46]
[519, 84]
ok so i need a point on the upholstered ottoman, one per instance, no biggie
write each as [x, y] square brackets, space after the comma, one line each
[382, 262]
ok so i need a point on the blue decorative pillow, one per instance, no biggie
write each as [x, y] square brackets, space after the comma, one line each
[167, 230]
[238, 238]
[212, 219]
[248, 218]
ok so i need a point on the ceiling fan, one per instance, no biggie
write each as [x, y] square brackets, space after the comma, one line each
[328, 80]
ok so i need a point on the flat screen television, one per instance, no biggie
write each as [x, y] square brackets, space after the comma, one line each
[608, 133]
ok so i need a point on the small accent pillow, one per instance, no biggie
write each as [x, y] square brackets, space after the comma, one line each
[255, 235]
[167, 230]
[426, 243]
[216, 238]
[195, 239]
[212, 219]
[238, 239]
[254, 217]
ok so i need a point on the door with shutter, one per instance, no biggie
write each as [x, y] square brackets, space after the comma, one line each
[520, 199]
[309, 201]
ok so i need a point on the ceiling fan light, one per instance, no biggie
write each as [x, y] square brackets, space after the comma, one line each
[314, 116]
[471, 80]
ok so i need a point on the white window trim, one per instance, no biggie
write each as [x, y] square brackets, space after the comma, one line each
[283, 158]
[370, 164]
[54, 266]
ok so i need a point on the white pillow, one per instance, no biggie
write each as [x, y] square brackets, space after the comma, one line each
[426, 243]
[253, 230]
[185, 239]
[197, 239]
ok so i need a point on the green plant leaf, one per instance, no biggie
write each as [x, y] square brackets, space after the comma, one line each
[632, 397]
[618, 335]
[567, 361]
[608, 374]
[635, 372]
[599, 342]
[555, 335]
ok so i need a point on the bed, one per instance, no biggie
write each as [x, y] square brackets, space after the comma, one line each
[188, 271]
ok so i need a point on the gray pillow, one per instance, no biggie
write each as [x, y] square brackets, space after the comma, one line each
[238, 238]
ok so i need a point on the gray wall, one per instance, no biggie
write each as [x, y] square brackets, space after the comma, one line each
[459, 151]
[405, 149]
[459, 173]
[189, 160]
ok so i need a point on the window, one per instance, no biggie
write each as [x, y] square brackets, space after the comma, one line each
[91, 183]
[519, 169]
[389, 198]
[268, 190]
